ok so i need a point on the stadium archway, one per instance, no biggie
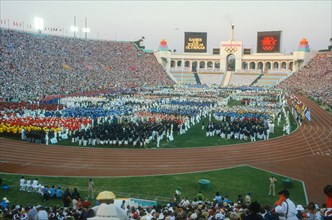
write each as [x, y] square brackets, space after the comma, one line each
[290, 67]
[260, 66]
[252, 65]
[267, 66]
[194, 66]
[179, 63]
[230, 64]
[244, 65]
[202, 65]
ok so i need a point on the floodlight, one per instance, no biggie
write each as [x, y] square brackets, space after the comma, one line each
[86, 30]
[74, 28]
[39, 23]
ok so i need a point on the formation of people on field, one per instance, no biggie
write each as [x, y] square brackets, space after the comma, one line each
[142, 117]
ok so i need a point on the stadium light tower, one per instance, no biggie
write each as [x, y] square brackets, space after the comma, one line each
[74, 28]
[86, 30]
[39, 24]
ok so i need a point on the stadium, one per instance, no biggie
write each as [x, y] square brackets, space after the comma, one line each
[72, 107]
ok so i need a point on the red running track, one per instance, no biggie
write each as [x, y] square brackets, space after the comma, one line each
[305, 155]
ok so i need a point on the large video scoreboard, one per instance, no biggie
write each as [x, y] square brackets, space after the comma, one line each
[268, 42]
[195, 42]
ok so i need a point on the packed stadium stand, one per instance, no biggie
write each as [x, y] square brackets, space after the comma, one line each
[313, 80]
[37, 65]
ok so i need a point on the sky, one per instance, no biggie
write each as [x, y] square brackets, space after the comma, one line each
[169, 19]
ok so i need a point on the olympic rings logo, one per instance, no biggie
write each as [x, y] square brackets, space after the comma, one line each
[230, 49]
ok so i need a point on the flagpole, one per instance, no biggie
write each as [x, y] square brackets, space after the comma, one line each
[86, 28]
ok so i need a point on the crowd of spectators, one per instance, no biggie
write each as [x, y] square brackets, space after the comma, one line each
[37, 65]
[313, 80]
[220, 207]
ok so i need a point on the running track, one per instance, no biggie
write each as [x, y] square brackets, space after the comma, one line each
[305, 155]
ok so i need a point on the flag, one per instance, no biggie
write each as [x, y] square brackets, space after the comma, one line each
[307, 114]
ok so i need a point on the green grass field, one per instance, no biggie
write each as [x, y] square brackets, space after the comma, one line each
[234, 181]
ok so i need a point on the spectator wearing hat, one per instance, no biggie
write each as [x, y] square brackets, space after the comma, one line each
[107, 209]
[300, 211]
[286, 207]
